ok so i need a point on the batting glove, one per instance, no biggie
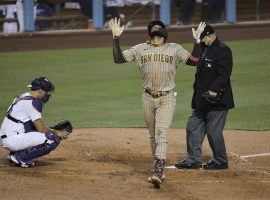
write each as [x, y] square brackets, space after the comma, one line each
[197, 33]
[116, 29]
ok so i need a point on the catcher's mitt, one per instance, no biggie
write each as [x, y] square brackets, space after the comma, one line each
[64, 125]
[213, 99]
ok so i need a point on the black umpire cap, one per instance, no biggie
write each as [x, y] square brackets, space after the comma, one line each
[41, 83]
[208, 30]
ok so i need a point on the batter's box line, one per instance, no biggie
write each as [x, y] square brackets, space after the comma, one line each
[244, 158]
[217, 181]
[250, 156]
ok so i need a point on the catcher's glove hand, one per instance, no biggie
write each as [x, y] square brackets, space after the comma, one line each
[212, 99]
[64, 125]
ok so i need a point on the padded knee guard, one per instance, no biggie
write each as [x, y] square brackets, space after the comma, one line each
[40, 150]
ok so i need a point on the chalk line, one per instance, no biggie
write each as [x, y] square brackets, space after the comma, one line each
[256, 155]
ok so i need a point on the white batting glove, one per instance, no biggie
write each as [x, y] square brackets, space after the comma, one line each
[197, 33]
[116, 29]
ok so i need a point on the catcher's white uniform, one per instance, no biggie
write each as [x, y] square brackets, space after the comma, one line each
[22, 135]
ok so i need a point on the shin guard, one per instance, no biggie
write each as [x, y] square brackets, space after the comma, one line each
[40, 150]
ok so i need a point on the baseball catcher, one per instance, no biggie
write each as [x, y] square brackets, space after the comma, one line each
[23, 131]
[157, 61]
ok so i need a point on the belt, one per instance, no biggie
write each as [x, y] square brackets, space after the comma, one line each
[3, 136]
[13, 119]
[156, 94]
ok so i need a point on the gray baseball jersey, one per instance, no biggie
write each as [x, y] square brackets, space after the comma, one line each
[158, 65]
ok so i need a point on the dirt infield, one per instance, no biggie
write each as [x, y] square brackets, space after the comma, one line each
[102, 38]
[115, 163]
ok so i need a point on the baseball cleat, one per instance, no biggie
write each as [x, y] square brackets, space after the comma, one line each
[21, 163]
[156, 180]
[150, 177]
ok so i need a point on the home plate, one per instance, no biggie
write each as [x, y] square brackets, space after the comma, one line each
[170, 167]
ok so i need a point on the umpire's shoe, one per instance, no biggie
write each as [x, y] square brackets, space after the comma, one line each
[184, 164]
[212, 165]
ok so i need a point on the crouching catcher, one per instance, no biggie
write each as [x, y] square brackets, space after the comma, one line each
[23, 131]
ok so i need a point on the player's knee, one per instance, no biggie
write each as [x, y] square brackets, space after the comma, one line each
[42, 149]
[161, 135]
[190, 127]
[53, 137]
[152, 139]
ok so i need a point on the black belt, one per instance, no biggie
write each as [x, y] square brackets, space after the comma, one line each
[156, 94]
[13, 119]
[3, 136]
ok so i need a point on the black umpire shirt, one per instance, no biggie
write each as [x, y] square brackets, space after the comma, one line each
[213, 73]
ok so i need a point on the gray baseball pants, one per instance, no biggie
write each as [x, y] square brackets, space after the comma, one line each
[206, 123]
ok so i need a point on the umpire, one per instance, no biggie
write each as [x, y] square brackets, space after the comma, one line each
[211, 101]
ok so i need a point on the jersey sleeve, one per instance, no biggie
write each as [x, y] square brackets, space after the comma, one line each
[130, 54]
[33, 109]
[182, 54]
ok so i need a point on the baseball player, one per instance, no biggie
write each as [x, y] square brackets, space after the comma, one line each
[23, 131]
[157, 61]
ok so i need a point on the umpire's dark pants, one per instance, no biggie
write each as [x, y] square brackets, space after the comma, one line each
[211, 123]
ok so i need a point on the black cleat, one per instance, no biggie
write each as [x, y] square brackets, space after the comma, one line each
[184, 164]
[212, 165]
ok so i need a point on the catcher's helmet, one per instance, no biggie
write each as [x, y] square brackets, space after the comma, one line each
[161, 32]
[41, 83]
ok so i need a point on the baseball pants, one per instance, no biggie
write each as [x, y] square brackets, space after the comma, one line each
[211, 123]
[158, 115]
[22, 141]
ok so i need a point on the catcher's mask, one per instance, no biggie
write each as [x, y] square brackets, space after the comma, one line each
[161, 32]
[43, 84]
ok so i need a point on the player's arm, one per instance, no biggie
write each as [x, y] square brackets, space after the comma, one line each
[42, 128]
[117, 53]
[193, 58]
[195, 54]
[116, 33]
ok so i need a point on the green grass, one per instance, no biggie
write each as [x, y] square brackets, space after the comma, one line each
[92, 91]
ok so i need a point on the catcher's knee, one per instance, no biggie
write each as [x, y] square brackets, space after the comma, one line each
[53, 137]
[49, 145]
[40, 150]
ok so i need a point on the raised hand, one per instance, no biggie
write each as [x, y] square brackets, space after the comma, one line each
[116, 29]
[197, 33]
